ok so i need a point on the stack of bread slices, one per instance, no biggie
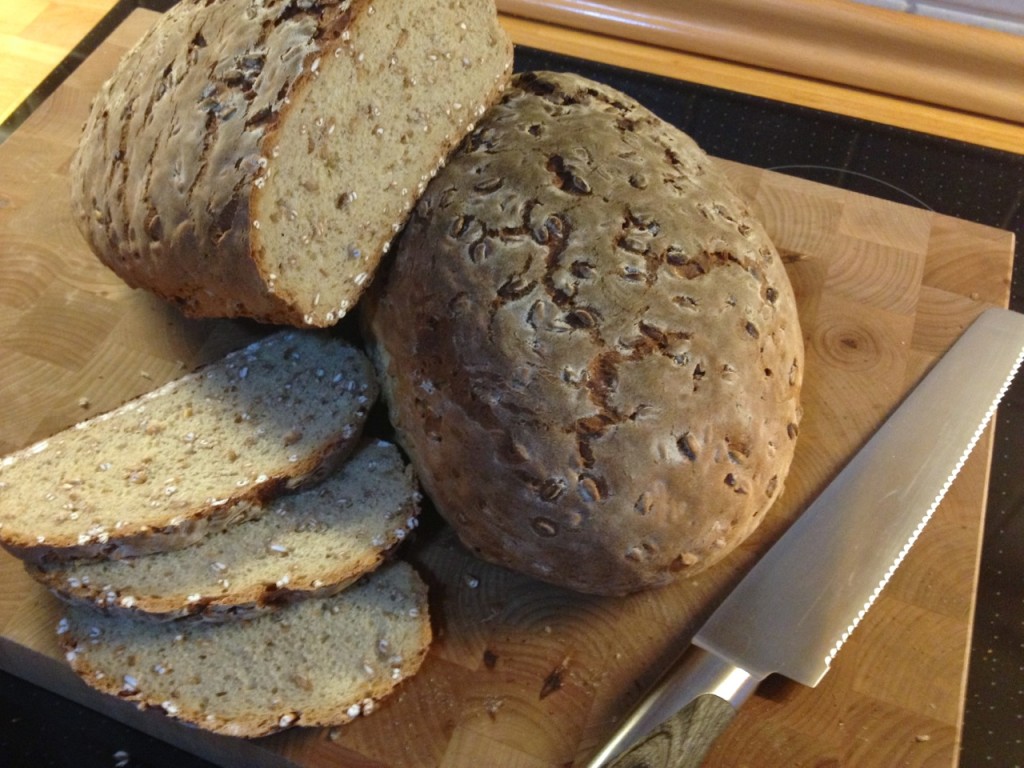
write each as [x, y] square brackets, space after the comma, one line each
[223, 542]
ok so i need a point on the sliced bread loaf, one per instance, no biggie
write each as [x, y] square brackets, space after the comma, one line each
[255, 157]
[193, 456]
[311, 543]
[318, 662]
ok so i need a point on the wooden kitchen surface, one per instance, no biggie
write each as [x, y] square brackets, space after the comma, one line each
[35, 35]
[523, 675]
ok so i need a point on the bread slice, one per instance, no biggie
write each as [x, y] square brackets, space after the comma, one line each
[312, 543]
[317, 662]
[256, 158]
[193, 456]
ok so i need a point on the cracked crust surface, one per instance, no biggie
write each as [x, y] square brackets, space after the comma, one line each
[588, 345]
[256, 157]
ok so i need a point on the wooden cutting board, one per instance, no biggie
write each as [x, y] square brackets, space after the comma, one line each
[523, 675]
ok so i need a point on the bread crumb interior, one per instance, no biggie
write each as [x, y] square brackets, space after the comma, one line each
[349, 166]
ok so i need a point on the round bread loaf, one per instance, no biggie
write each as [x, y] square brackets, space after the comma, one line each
[256, 157]
[588, 346]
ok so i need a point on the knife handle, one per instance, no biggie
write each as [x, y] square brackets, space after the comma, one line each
[684, 739]
[675, 724]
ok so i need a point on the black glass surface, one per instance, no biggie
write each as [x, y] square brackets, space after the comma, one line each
[950, 177]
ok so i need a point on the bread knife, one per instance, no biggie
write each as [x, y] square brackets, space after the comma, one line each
[796, 607]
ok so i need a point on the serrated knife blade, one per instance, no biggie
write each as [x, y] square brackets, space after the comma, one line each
[796, 607]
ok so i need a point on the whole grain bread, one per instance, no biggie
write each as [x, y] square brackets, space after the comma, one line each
[256, 157]
[588, 344]
[193, 456]
[319, 662]
[306, 544]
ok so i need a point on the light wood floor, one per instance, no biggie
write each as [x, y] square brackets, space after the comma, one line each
[34, 36]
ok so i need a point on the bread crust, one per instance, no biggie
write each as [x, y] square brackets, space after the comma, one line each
[167, 182]
[163, 179]
[588, 345]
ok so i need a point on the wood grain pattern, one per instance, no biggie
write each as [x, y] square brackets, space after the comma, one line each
[34, 36]
[524, 675]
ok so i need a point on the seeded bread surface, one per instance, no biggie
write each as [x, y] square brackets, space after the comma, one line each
[192, 457]
[588, 345]
[307, 544]
[256, 157]
[317, 662]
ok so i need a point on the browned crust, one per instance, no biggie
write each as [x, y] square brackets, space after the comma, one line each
[207, 239]
[593, 360]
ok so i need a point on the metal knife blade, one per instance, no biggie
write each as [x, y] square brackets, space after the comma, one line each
[796, 607]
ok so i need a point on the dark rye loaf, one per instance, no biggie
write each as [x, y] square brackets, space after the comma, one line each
[588, 345]
[256, 157]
